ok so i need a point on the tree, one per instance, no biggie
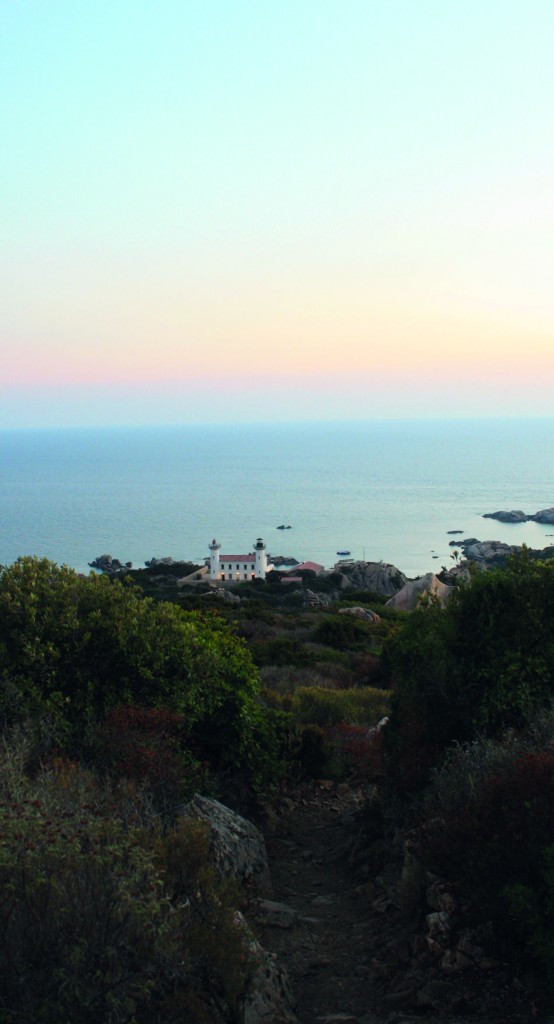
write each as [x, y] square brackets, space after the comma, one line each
[73, 648]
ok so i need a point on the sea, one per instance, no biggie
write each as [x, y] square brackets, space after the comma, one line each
[382, 490]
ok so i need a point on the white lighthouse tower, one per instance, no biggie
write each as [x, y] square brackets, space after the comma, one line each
[260, 568]
[214, 559]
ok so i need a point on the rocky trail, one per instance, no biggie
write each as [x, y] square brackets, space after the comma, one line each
[351, 954]
[316, 922]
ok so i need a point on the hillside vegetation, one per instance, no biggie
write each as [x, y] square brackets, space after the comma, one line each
[116, 707]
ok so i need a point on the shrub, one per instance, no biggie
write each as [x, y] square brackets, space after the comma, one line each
[73, 649]
[483, 664]
[487, 826]
[96, 920]
[531, 909]
[150, 747]
[342, 631]
[362, 705]
[281, 651]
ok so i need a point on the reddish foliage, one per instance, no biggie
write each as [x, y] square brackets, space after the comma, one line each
[498, 837]
[146, 746]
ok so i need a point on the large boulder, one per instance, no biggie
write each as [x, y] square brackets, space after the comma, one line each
[514, 516]
[487, 552]
[237, 847]
[546, 515]
[380, 577]
[412, 592]
[364, 614]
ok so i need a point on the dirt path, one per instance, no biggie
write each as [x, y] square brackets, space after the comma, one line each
[323, 944]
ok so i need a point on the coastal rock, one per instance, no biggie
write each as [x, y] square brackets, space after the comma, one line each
[413, 591]
[546, 515]
[377, 576]
[515, 516]
[237, 847]
[489, 551]
[107, 564]
[151, 562]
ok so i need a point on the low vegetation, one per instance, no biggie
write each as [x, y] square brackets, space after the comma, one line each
[116, 707]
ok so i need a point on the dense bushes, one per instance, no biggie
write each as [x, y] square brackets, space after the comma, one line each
[103, 917]
[342, 631]
[74, 649]
[482, 664]
[487, 827]
[281, 650]
[323, 706]
[470, 746]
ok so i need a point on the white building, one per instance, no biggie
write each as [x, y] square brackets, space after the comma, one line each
[239, 568]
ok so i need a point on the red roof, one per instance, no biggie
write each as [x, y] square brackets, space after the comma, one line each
[314, 566]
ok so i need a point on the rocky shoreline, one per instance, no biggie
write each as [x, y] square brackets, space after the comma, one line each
[380, 577]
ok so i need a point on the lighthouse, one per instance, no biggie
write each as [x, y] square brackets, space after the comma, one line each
[260, 569]
[214, 559]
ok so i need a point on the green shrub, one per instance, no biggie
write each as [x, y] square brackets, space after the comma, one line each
[73, 649]
[342, 631]
[322, 706]
[281, 651]
[483, 664]
[285, 679]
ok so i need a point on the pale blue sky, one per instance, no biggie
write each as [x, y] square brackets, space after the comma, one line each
[221, 210]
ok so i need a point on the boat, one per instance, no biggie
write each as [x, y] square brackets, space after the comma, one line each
[342, 553]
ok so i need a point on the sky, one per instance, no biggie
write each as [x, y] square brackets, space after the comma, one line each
[235, 210]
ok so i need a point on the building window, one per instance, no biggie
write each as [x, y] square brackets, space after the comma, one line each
[246, 575]
[230, 576]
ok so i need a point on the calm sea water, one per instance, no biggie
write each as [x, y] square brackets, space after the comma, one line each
[382, 490]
